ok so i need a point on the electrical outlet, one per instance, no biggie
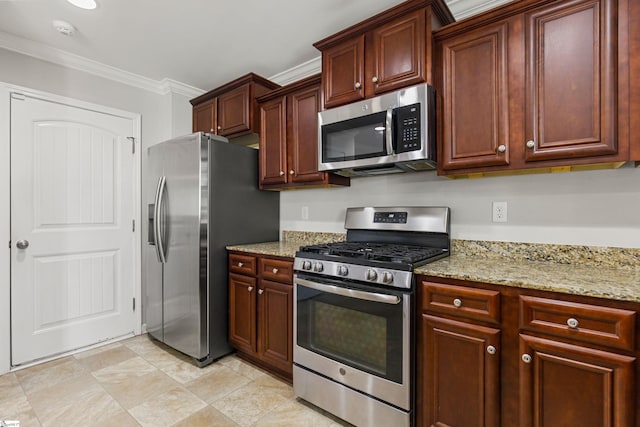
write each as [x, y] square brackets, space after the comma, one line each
[499, 211]
[305, 212]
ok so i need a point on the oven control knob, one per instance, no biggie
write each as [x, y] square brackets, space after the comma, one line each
[371, 275]
[306, 265]
[343, 270]
[318, 267]
[387, 277]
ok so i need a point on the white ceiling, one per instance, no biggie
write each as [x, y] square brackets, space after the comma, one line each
[200, 43]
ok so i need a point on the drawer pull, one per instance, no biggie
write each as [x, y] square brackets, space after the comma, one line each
[250, 288]
[526, 358]
[275, 270]
[491, 349]
[572, 323]
[457, 302]
[240, 264]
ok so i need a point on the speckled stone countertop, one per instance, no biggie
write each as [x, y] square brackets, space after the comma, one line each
[601, 272]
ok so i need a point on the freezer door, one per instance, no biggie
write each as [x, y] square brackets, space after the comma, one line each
[185, 269]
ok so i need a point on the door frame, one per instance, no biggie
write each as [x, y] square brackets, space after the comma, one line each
[5, 200]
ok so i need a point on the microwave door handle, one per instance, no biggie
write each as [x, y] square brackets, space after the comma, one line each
[389, 133]
[351, 293]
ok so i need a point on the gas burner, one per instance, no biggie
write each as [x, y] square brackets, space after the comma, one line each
[394, 253]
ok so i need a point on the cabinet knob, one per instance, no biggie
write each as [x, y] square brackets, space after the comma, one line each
[240, 264]
[374, 79]
[358, 85]
[281, 173]
[275, 271]
[572, 323]
[250, 288]
[219, 127]
[291, 172]
[491, 349]
[457, 302]
[260, 291]
[502, 148]
[526, 358]
[211, 130]
[530, 144]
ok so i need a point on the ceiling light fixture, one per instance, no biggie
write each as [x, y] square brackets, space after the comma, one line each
[84, 4]
[64, 27]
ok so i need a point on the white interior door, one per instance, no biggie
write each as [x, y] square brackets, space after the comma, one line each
[73, 247]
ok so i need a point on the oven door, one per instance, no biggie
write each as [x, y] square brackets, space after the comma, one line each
[356, 335]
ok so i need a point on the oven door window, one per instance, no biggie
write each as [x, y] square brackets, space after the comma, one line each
[363, 334]
[353, 139]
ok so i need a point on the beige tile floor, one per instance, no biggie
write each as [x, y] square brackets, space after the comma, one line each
[139, 382]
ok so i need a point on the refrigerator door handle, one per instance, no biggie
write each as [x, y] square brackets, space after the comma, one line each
[158, 224]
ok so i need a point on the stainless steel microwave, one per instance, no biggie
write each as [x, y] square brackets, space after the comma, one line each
[393, 132]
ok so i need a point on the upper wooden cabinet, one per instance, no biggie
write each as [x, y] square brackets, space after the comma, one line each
[534, 84]
[231, 110]
[386, 52]
[289, 138]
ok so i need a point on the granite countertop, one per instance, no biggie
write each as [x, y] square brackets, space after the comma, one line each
[601, 272]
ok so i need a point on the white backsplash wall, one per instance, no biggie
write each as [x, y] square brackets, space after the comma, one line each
[599, 208]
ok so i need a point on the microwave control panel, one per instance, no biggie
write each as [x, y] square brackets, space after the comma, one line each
[407, 125]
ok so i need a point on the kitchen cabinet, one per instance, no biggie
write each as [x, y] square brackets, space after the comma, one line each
[231, 110]
[460, 377]
[534, 84]
[261, 311]
[556, 359]
[289, 138]
[388, 51]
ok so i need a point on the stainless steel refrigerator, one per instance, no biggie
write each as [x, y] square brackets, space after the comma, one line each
[201, 195]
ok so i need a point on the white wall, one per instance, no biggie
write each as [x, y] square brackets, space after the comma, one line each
[163, 116]
[600, 208]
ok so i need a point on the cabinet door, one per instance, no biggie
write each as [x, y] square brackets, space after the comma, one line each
[275, 311]
[303, 135]
[475, 98]
[273, 142]
[234, 113]
[397, 53]
[343, 72]
[242, 312]
[568, 385]
[204, 117]
[460, 380]
[571, 98]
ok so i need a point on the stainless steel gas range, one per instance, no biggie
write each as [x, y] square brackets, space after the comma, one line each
[354, 313]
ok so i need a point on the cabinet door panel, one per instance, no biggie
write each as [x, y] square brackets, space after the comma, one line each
[273, 142]
[242, 312]
[276, 317]
[234, 111]
[569, 385]
[303, 135]
[461, 379]
[398, 52]
[204, 117]
[571, 103]
[475, 104]
[343, 72]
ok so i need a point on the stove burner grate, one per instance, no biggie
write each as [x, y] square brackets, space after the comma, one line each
[404, 254]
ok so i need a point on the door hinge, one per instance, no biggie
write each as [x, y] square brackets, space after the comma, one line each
[133, 144]
[133, 225]
[18, 96]
[9, 244]
[134, 304]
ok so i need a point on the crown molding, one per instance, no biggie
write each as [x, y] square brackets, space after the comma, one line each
[77, 62]
[465, 8]
[306, 69]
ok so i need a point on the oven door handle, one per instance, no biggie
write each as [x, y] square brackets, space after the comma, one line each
[351, 293]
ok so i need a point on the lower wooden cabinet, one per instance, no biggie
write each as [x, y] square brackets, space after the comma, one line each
[261, 312]
[461, 379]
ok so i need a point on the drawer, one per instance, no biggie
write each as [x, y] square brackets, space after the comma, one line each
[243, 264]
[461, 301]
[595, 324]
[276, 270]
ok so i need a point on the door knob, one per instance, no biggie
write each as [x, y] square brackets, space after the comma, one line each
[22, 244]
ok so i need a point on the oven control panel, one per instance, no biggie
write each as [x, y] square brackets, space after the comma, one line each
[390, 217]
